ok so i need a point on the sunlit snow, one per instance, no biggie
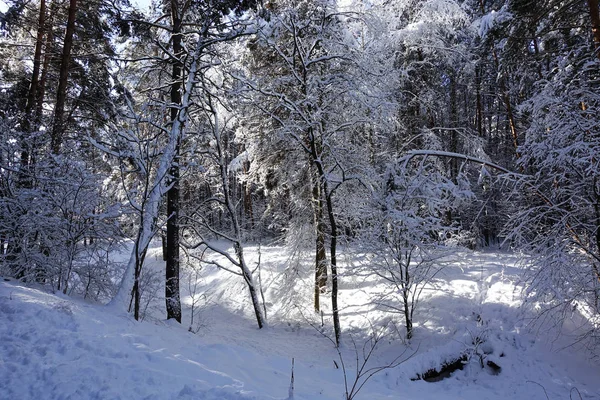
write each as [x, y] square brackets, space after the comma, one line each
[57, 347]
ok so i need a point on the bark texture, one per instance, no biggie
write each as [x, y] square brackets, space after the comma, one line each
[58, 126]
[595, 17]
[172, 298]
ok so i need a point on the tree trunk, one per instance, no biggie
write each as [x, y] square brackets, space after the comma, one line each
[511, 120]
[231, 212]
[248, 278]
[136, 294]
[163, 242]
[61, 93]
[407, 316]
[322, 182]
[172, 299]
[334, 274]
[247, 194]
[454, 125]
[26, 123]
[319, 224]
[595, 263]
[479, 116]
[37, 61]
[157, 187]
[405, 286]
[509, 111]
[595, 17]
[41, 93]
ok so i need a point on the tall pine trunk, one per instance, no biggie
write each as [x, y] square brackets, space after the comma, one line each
[27, 123]
[595, 17]
[172, 298]
[37, 62]
[41, 90]
[58, 125]
[479, 103]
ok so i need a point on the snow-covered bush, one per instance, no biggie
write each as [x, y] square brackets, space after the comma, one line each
[60, 229]
[560, 226]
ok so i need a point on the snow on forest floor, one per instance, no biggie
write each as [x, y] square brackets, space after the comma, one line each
[57, 347]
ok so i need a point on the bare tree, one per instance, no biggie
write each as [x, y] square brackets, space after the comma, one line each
[197, 223]
[409, 233]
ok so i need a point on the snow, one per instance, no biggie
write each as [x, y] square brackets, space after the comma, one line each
[237, 164]
[490, 20]
[57, 347]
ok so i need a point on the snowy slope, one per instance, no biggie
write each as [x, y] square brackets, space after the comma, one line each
[56, 347]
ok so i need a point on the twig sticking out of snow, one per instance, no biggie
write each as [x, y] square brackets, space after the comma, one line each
[291, 390]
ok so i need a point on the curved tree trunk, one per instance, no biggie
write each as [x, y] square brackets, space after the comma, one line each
[230, 206]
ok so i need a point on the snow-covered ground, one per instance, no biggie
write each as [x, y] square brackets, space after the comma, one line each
[56, 347]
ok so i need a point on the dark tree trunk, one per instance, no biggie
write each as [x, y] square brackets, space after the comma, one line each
[247, 193]
[37, 61]
[172, 299]
[405, 285]
[479, 116]
[407, 315]
[454, 125]
[327, 195]
[506, 100]
[61, 93]
[511, 120]
[320, 254]
[595, 17]
[41, 93]
[163, 242]
[333, 255]
[27, 122]
[136, 294]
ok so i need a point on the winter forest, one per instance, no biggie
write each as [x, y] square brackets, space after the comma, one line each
[409, 188]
